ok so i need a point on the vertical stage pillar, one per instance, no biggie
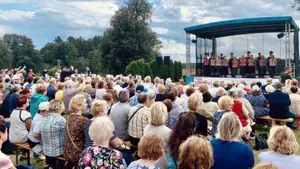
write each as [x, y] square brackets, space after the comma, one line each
[214, 47]
[198, 57]
[188, 54]
[296, 53]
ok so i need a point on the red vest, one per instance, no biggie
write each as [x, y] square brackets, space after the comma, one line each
[238, 109]
[206, 61]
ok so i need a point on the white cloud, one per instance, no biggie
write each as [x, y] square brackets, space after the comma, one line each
[160, 31]
[15, 1]
[174, 49]
[14, 15]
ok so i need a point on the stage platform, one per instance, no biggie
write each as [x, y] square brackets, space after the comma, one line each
[211, 80]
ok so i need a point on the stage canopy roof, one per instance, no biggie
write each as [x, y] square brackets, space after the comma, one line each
[242, 26]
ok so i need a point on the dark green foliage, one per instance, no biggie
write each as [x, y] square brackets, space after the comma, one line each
[5, 56]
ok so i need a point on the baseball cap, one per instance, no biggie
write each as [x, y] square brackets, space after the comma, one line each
[44, 106]
[139, 88]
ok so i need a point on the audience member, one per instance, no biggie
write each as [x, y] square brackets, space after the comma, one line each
[283, 145]
[100, 155]
[5, 161]
[51, 89]
[227, 142]
[119, 115]
[134, 99]
[150, 149]
[37, 98]
[195, 153]
[176, 110]
[265, 165]
[258, 102]
[208, 105]
[53, 133]
[75, 134]
[161, 93]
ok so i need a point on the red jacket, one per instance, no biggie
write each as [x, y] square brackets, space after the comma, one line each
[238, 109]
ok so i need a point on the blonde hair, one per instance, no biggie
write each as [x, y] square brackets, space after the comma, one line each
[265, 165]
[223, 101]
[161, 88]
[99, 107]
[40, 88]
[288, 83]
[56, 106]
[88, 89]
[282, 140]
[194, 101]
[229, 127]
[68, 83]
[195, 151]
[147, 79]
[76, 103]
[104, 126]
[159, 114]
[60, 86]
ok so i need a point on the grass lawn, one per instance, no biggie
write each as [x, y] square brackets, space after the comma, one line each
[40, 164]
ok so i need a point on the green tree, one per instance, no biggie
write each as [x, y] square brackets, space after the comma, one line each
[95, 61]
[23, 52]
[148, 71]
[133, 68]
[5, 56]
[129, 37]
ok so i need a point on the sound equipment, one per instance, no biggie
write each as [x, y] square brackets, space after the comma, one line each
[167, 60]
[159, 60]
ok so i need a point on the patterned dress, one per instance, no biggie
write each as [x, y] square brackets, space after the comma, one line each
[217, 117]
[76, 125]
[258, 103]
[101, 158]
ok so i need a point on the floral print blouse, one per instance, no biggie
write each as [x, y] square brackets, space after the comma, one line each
[101, 158]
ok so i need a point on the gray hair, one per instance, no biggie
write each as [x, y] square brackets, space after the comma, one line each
[229, 127]
[123, 96]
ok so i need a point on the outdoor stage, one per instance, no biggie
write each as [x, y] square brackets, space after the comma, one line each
[210, 80]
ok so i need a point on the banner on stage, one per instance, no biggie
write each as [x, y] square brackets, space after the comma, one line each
[210, 80]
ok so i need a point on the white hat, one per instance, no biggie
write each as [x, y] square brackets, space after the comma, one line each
[270, 89]
[255, 88]
[44, 106]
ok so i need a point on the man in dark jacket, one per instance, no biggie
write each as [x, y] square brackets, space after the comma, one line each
[286, 75]
[279, 104]
[51, 89]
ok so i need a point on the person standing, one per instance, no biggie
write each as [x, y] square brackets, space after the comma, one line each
[225, 66]
[262, 66]
[212, 65]
[243, 65]
[251, 66]
[230, 63]
[206, 65]
[235, 65]
[286, 75]
[218, 66]
[272, 64]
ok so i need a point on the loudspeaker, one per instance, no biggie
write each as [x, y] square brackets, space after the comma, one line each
[159, 60]
[167, 60]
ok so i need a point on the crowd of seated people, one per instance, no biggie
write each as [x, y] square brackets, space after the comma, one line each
[126, 122]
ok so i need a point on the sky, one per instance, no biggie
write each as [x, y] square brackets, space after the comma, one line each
[43, 20]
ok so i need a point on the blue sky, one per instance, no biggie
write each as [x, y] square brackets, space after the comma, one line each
[43, 20]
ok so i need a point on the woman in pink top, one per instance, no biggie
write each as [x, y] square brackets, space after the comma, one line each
[5, 162]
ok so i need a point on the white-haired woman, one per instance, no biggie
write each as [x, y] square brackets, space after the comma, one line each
[228, 151]
[258, 102]
[70, 91]
[159, 116]
[100, 155]
[283, 145]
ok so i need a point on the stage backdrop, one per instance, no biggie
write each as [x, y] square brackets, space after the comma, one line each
[211, 80]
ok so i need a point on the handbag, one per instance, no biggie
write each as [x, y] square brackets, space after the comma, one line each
[261, 141]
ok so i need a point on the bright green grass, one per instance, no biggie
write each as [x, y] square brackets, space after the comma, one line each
[40, 164]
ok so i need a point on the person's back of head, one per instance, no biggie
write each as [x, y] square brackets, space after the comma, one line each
[294, 82]
[189, 91]
[171, 95]
[124, 96]
[206, 97]
[168, 103]
[142, 98]
[203, 88]
[265, 165]
[294, 89]
[216, 84]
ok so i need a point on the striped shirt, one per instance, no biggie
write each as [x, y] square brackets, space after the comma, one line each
[53, 132]
[138, 121]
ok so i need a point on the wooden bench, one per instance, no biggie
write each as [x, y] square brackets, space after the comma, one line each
[23, 146]
[273, 121]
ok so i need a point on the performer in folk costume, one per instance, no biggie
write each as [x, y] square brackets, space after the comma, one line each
[257, 61]
[235, 65]
[230, 62]
[272, 64]
[243, 66]
[225, 66]
[251, 65]
[218, 66]
[262, 66]
[206, 65]
[212, 65]
[247, 65]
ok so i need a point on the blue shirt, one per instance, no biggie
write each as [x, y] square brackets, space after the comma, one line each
[231, 155]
